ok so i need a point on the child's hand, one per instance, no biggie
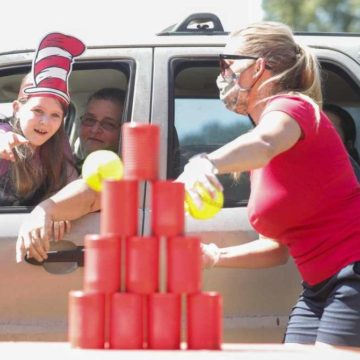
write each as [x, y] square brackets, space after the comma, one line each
[8, 141]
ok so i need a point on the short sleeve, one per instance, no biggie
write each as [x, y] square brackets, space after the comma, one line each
[301, 110]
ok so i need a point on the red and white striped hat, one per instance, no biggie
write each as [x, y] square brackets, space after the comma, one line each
[52, 66]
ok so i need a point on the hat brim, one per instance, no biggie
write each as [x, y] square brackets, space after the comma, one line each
[49, 91]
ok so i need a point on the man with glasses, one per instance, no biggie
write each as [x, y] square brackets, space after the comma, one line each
[100, 124]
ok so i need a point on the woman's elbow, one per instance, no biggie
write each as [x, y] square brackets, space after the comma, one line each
[283, 255]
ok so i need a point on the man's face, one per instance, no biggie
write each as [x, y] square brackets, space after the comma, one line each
[100, 126]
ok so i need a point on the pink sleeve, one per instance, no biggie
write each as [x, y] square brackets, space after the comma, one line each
[4, 126]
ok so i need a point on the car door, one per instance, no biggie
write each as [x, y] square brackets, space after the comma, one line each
[33, 302]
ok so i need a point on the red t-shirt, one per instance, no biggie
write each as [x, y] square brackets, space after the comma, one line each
[308, 197]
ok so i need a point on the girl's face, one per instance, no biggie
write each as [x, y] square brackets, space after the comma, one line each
[40, 118]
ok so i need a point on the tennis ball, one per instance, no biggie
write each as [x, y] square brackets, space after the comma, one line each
[101, 165]
[210, 206]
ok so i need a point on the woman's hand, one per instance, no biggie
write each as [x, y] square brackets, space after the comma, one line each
[36, 233]
[200, 171]
[9, 140]
[210, 255]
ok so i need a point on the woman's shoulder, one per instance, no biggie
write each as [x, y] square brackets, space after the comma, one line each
[294, 104]
[293, 99]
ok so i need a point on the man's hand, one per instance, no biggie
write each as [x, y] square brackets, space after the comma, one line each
[8, 141]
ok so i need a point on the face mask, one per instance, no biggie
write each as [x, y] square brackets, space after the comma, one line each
[229, 93]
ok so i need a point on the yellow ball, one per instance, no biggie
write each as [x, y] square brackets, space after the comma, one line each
[101, 165]
[210, 206]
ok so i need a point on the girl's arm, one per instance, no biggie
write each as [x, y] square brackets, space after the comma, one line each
[72, 202]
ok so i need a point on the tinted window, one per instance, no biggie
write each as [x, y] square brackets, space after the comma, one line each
[203, 124]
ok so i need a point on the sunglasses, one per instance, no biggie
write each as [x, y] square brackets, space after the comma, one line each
[225, 69]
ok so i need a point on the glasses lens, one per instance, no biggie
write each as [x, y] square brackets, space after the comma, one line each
[87, 121]
[225, 70]
[108, 126]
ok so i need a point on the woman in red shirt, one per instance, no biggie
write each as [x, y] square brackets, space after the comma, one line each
[305, 199]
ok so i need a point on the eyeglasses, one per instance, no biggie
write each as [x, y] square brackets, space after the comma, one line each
[225, 70]
[90, 121]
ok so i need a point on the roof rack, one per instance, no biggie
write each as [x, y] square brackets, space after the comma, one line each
[196, 24]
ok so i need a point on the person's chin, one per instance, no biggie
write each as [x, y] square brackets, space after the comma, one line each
[90, 149]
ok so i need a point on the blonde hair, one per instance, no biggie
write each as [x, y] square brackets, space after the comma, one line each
[294, 66]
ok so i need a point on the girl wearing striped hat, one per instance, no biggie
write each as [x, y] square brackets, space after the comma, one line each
[35, 154]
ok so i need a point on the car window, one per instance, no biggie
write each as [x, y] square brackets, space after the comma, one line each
[86, 81]
[340, 88]
[86, 78]
[203, 124]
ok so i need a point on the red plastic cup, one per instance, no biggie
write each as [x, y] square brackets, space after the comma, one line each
[184, 271]
[126, 321]
[119, 207]
[204, 321]
[86, 327]
[167, 208]
[142, 264]
[102, 262]
[140, 151]
[164, 321]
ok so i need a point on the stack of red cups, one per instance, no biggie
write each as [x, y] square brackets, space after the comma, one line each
[134, 284]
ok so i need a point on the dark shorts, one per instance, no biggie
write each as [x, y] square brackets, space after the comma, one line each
[328, 312]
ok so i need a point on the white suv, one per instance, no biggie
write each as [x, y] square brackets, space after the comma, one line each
[169, 81]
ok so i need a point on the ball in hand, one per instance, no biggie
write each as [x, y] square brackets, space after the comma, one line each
[101, 165]
[210, 206]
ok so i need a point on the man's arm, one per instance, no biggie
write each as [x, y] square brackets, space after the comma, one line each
[72, 202]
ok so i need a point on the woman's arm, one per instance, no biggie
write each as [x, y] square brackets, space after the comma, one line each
[276, 133]
[260, 253]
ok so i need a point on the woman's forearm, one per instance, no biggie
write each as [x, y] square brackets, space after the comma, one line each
[244, 153]
[261, 253]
